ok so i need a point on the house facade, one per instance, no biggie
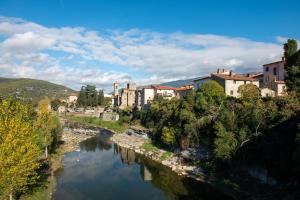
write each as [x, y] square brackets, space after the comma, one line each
[165, 91]
[274, 74]
[231, 82]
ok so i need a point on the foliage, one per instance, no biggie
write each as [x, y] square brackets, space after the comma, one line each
[48, 127]
[249, 91]
[89, 96]
[225, 143]
[55, 103]
[292, 66]
[169, 136]
[18, 151]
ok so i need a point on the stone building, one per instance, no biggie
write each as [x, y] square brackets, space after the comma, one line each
[127, 96]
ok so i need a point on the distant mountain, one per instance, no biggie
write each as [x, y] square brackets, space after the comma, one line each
[32, 90]
[178, 83]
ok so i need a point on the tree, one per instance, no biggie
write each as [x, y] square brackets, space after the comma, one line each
[169, 136]
[290, 48]
[225, 142]
[18, 151]
[292, 66]
[82, 100]
[43, 124]
[55, 104]
[249, 92]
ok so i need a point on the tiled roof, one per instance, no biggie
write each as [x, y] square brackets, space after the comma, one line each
[277, 62]
[185, 87]
[235, 77]
[280, 82]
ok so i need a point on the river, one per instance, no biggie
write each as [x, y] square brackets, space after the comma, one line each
[103, 170]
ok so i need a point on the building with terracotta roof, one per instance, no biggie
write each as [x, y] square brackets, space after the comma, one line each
[274, 74]
[231, 82]
[184, 90]
[148, 93]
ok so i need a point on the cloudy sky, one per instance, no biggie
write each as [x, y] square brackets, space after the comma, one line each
[98, 42]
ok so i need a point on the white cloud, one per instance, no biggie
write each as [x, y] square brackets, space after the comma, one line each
[65, 54]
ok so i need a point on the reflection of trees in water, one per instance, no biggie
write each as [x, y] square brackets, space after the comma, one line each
[176, 187]
[162, 177]
[98, 142]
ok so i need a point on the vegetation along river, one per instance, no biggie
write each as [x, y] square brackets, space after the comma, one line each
[103, 170]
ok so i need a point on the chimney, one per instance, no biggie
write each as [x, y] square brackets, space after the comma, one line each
[230, 73]
[223, 70]
[218, 71]
[248, 75]
[283, 58]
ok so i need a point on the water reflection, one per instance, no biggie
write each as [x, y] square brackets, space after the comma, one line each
[104, 170]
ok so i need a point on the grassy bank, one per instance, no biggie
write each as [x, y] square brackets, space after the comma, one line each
[111, 125]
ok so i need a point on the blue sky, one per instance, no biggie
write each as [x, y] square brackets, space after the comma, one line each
[96, 42]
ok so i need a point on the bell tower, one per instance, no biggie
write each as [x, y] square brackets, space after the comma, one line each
[116, 88]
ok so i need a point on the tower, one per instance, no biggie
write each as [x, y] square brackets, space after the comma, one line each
[116, 88]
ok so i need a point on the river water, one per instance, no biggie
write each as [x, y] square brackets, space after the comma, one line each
[103, 170]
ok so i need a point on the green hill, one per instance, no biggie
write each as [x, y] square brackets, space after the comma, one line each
[32, 90]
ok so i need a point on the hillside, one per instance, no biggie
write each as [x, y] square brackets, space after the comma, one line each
[178, 83]
[31, 89]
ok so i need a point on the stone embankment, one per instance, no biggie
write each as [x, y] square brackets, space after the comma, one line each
[171, 160]
[72, 138]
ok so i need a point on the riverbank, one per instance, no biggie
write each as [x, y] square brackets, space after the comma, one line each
[144, 147]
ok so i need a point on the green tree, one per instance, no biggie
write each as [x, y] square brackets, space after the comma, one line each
[290, 48]
[18, 151]
[169, 136]
[249, 92]
[225, 142]
[82, 99]
[292, 66]
[55, 104]
[44, 125]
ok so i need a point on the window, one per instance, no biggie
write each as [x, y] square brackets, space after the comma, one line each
[234, 82]
[231, 92]
[245, 82]
[275, 71]
[267, 69]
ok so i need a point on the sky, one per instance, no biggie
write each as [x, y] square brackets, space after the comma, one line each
[78, 42]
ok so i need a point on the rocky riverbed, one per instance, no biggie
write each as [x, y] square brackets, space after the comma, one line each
[72, 137]
[174, 162]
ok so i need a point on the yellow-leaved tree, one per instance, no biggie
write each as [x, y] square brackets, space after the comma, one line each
[44, 123]
[19, 152]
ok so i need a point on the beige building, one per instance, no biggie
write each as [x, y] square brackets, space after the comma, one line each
[148, 93]
[274, 74]
[231, 82]
[165, 91]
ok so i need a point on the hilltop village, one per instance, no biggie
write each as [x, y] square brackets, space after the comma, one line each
[270, 82]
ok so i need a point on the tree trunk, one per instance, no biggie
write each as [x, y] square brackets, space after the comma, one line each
[46, 151]
[11, 196]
